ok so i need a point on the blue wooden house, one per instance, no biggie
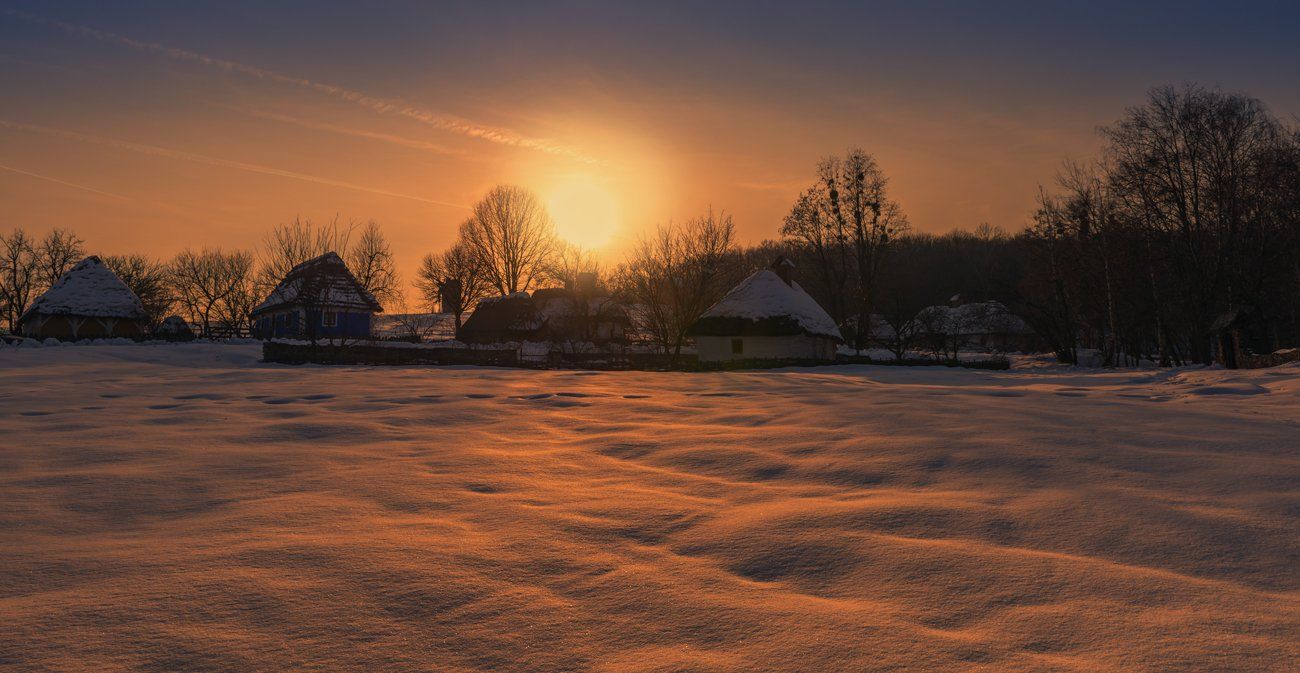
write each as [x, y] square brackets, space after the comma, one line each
[318, 299]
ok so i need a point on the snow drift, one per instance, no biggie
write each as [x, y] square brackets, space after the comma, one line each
[183, 507]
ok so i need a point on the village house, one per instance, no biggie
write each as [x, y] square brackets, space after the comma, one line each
[766, 317]
[88, 302]
[980, 325]
[582, 314]
[318, 299]
[173, 328]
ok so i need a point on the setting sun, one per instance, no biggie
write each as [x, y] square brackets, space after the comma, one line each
[585, 212]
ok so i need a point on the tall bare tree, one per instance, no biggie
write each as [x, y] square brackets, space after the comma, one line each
[512, 236]
[59, 251]
[673, 276]
[211, 284]
[570, 262]
[149, 279]
[1204, 169]
[454, 274]
[370, 259]
[19, 275]
[846, 222]
[289, 244]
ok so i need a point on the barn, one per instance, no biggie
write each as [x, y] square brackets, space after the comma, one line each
[88, 302]
[766, 317]
[318, 299]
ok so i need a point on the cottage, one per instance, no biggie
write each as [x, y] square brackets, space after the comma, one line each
[583, 314]
[983, 325]
[88, 302]
[173, 328]
[766, 317]
[318, 299]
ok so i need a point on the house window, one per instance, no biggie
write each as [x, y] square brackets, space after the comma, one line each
[330, 318]
[737, 346]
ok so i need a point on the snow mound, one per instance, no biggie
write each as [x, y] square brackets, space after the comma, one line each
[89, 289]
[184, 507]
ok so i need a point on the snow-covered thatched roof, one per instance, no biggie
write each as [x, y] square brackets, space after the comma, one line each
[980, 317]
[90, 289]
[323, 281]
[765, 304]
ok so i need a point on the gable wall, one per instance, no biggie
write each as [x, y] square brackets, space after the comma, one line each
[801, 346]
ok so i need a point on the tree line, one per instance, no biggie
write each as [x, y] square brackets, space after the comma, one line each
[1187, 224]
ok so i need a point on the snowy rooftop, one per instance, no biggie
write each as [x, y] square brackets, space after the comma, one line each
[981, 317]
[764, 302]
[89, 289]
[339, 288]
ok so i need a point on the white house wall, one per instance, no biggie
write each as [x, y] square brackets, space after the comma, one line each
[802, 346]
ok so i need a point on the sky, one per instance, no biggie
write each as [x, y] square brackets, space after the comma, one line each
[155, 126]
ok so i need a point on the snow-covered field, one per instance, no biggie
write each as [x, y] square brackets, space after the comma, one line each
[186, 508]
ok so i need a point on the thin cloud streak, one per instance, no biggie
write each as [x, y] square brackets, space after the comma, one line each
[153, 150]
[345, 130]
[502, 136]
[65, 183]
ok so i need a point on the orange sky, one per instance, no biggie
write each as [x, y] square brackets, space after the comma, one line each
[148, 131]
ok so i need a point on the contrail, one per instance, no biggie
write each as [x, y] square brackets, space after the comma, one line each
[65, 183]
[156, 151]
[493, 134]
[333, 128]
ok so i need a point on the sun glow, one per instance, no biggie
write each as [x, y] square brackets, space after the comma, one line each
[585, 212]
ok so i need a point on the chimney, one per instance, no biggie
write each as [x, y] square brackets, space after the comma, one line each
[586, 284]
[784, 267]
[449, 292]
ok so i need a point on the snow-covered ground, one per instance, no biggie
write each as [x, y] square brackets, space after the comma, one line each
[184, 507]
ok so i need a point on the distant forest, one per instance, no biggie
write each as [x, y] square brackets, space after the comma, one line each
[1186, 224]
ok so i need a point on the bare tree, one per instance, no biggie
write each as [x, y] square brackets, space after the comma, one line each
[512, 236]
[149, 279]
[19, 275]
[675, 275]
[371, 260]
[234, 310]
[846, 222]
[454, 275]
[210, 285]
[570, 262]
[290, 244]
[1203, 169]
[58, 252]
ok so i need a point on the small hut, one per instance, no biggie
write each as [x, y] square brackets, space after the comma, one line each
[88, 302]
[173, 328]
[318, 299]
[766, 317]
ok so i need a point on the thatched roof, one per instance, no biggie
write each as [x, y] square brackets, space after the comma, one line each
[766, 305]
[980, 317]
[499, 319]
[327, 280]
[90, 289]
